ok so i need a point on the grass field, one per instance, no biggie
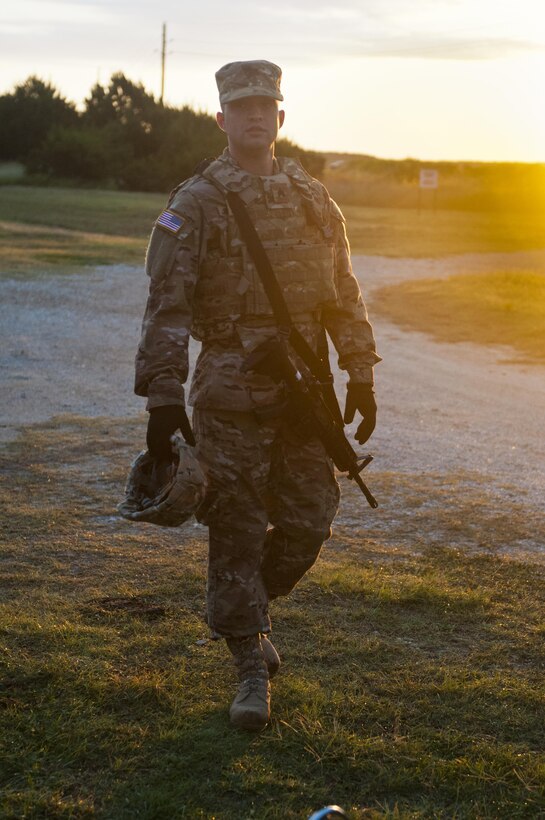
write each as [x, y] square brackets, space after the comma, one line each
[117, 213]
[503, 308]
[401, 232]
[463, 186]
[29, 250]
[414, 659]
[113, 226]
[412, 684]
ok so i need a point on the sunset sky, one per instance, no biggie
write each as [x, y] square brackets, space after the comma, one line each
[432, 79]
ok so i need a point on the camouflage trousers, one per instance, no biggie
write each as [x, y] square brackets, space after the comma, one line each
[260, 474]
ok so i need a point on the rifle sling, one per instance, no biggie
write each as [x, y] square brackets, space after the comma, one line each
[318, 366]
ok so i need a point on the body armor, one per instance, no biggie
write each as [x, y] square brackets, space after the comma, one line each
[295, 232]
[203, 282]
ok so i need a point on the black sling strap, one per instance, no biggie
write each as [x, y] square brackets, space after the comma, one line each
[318, 365]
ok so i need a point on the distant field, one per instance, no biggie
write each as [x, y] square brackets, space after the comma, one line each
[108, 212]
[462, 186]
[52, 229]
[101, 227]
[11, 172]
[36, 249]
[504, 308]
[402, 232]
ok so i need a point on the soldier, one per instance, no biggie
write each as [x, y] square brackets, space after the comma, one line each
[260, 470]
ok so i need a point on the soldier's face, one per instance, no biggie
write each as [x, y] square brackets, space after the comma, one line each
[251, 124]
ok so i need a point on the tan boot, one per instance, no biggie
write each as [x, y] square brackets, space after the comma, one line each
[251, 708]
[272, 658]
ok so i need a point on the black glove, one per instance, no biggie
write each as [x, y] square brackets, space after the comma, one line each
[163, 422]
[361, 397]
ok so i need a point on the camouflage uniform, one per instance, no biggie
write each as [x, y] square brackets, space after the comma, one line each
[203, 282]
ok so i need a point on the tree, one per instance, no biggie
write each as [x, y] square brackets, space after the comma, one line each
[28, 114]
[124, 137]
[128, 109]
[79, 153]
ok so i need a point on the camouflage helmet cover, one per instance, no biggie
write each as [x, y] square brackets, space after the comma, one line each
[249, 78]
[167, 495]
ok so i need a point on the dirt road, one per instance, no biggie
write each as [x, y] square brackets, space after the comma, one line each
[458, 426]
[458, 406]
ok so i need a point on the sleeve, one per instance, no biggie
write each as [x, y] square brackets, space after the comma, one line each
[172, 263]
[347, 322]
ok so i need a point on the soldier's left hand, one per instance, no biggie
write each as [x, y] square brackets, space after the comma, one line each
[163, 422]
[361, 397]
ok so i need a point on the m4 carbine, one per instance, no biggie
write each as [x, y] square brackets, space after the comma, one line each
[272, 359]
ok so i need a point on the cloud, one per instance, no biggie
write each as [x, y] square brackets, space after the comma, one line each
[311, 32]
[34, 13]
[440, 48]
[428, 29]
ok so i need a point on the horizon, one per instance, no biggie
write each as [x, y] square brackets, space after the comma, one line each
[442, 81]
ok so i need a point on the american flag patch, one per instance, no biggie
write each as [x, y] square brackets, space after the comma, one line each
[170, 221]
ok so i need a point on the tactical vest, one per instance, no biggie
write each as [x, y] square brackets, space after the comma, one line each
[292, 218]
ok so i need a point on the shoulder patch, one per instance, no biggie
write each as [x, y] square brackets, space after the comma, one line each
[170, 221]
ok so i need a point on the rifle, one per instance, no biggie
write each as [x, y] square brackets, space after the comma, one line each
[314, 392]
[272, 359]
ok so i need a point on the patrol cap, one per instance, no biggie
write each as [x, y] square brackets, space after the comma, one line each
[249, 78]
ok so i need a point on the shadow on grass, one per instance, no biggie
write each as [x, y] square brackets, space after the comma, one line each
[203, 772]
[412, 684]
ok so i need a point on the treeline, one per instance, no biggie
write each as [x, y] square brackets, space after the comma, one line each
[123, 138]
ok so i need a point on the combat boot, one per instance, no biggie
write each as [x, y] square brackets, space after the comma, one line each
[272, 658]
[251, 708]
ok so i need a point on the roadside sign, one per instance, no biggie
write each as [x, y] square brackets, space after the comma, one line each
[429, 178]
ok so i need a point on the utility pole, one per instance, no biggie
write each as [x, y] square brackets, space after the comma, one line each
[163, 57]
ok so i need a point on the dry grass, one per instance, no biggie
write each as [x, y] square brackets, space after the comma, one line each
[503, 308]
[463, 186]
[398, 232]
[34, 250]
[104, 227]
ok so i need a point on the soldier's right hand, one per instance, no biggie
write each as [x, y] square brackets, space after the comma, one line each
[162, 424]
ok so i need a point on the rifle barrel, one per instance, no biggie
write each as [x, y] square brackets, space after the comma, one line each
[371, 500]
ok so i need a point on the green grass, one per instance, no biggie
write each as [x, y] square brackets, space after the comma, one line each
[44, 230]
[31, 250]
[117, 224]
[11, 172]
[412, 684]
[118, 213]
[503, 308]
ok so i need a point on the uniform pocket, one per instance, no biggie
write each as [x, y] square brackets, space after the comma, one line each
[217, 293]
[305, 273]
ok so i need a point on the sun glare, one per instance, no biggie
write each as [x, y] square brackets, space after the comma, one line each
[524, 88]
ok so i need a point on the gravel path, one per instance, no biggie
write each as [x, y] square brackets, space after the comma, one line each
[457, 406]
[68, 343]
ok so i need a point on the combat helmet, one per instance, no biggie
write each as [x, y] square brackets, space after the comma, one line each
[164, 494]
